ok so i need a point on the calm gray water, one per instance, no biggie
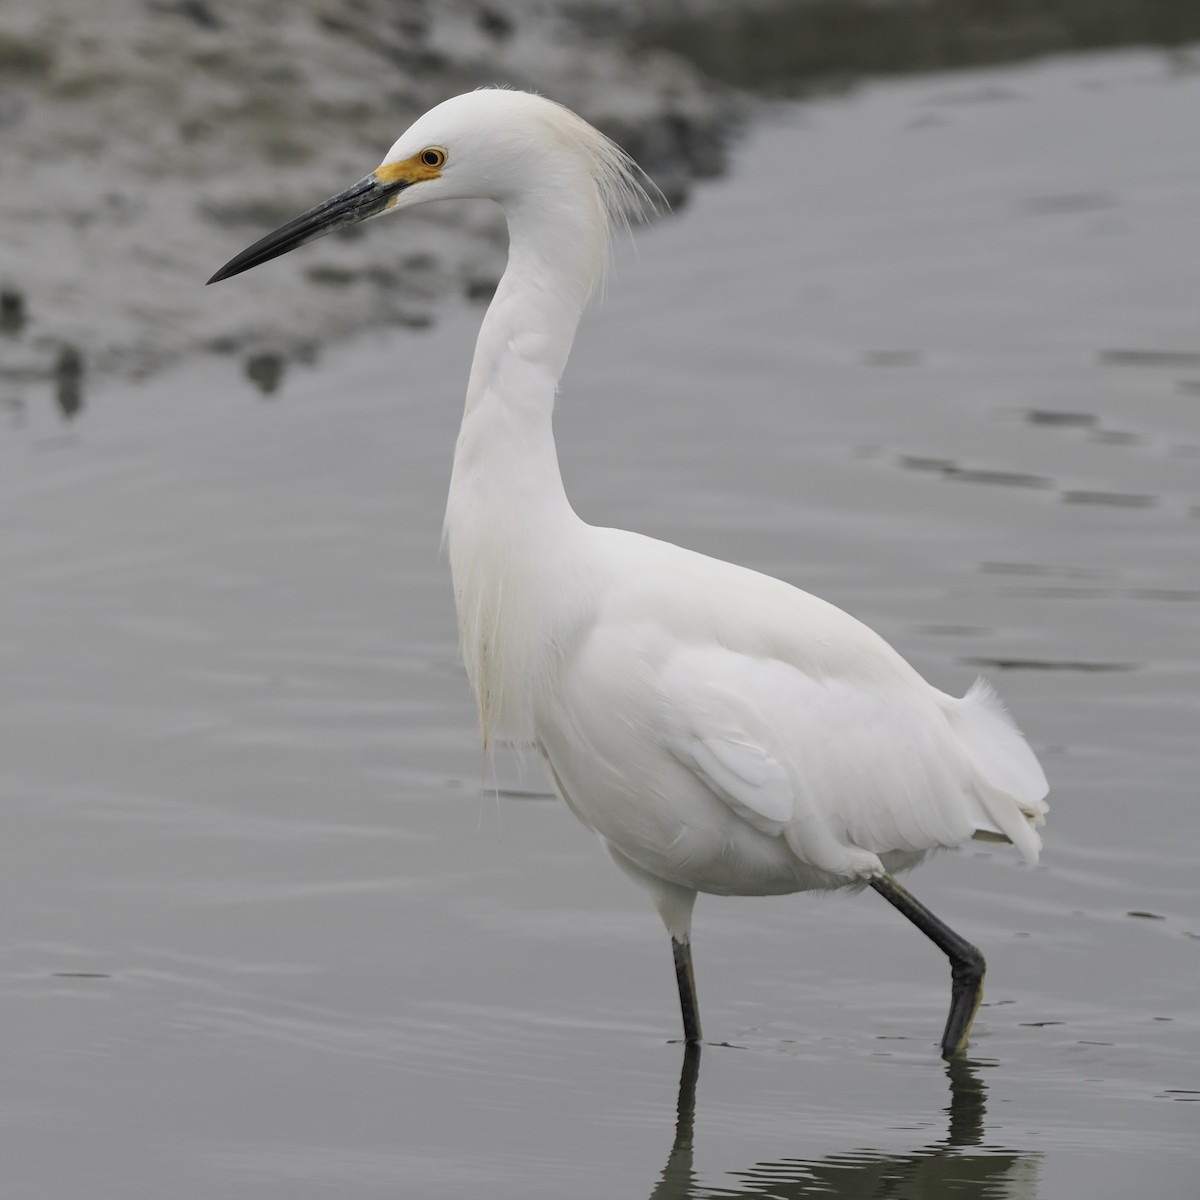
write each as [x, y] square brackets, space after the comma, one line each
[931, 352]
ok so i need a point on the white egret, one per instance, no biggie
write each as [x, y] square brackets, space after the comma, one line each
[720, 730]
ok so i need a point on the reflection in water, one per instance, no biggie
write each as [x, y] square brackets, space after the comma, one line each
[959, 1165]
[678, 1180]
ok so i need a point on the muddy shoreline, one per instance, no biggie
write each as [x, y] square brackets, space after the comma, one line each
[146, 142]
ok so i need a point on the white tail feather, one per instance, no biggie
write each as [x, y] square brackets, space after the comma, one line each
[1012, 785]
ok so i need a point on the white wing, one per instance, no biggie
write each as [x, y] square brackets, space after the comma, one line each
[839, 767]
[796, 720]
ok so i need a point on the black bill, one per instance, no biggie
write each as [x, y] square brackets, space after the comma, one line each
[366, 198]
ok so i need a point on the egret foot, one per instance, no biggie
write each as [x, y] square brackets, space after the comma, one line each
[967, 966]
[966, 992]
[686, 978]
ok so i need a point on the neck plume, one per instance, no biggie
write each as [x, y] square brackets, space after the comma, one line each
[509, 526]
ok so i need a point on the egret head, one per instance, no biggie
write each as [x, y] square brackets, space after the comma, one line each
[513, 147]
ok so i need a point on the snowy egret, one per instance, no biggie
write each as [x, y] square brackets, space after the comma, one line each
[720, 730]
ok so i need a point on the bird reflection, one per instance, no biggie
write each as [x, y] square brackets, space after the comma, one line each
[678, 1180]
[947, 1167]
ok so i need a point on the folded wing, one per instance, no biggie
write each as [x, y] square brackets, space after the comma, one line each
[840, 766]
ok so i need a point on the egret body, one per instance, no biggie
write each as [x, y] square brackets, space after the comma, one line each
[720, 730]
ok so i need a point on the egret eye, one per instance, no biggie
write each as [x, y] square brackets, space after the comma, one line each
[433, 157]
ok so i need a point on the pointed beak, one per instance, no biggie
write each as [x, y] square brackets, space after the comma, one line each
[366, 198]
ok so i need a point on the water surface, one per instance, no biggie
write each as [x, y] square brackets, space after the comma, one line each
[929, 352]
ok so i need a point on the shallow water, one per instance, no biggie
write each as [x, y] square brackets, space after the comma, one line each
[929, 352]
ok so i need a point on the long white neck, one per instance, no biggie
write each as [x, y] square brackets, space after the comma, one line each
[510, 529]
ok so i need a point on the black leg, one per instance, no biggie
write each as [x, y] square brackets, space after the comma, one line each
[686, 978]
[966, 963]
